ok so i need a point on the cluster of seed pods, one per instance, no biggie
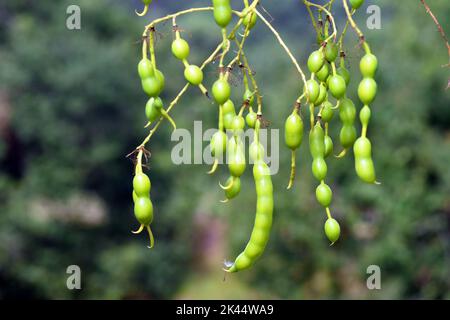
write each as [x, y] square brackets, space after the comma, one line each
[329, 81]
[324, 93]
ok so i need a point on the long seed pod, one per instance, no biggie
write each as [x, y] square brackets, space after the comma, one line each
[263, 219]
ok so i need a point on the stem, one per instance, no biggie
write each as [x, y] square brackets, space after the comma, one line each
[328, 213]
[364, 130]
[225, 46]
[138, 168]
[313, 20]
[152, 50]
[333, 66]
[283, 45]
[440, 29]
[292, 176]
[174, 15]
[344, 31]
[144, 48]
[311, 115]
[221, 118]
[253, 81]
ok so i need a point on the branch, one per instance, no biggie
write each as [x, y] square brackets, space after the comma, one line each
[440, 29]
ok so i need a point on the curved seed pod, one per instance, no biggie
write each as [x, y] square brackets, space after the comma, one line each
[263, 219]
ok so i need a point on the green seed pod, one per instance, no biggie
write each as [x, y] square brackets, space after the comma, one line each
[218, 144]
[363, 160]
[263, 219]
[220, 3]
[323, 73]
[193, 74]
[313, 90]
[235, 189]
[365, 170]
[362, 148]
[229, 112]
[319, 169]
[344, 73]
[141, 185]
[368, 65]
[356, 4]
[223, 15]
[331, 52]
[347, 111]
[324, 195]
[293, 133]
[153, 109]
[143, 210]
[332, 230]
[153, 85]
[249, 20]
[316, 142]
[251, 118]
[145, 69]
[180, 49]
[236, 160]
[364, 115]
[347, 136]
[322, 95]
[238, 123]
[221, 91]
[327, 112]
[337, 86]
[316, 61]
[256, 151]
[328, 146]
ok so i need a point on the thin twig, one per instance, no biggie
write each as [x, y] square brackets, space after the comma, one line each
[355, 27]
[440, 29]
[283, 45]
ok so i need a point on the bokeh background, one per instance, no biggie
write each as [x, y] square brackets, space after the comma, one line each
[71, 109]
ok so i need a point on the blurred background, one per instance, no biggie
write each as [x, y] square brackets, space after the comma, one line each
[72, 108]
